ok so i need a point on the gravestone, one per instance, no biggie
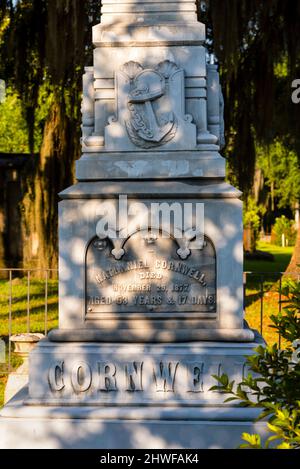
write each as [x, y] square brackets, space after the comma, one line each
[151, 254]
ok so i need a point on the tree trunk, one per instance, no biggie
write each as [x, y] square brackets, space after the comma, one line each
[53, 173]
[293, 269]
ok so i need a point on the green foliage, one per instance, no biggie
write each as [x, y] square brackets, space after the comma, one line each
[273, 383]
[252, 219]
[258, 48]
[13, 127]
[4, 24]
[281, 170]
[41, 38]
[44, 103]
[285, 427]
[43, 41]
[288, 324]
[252, 441]
[43, 50]
[284, 226]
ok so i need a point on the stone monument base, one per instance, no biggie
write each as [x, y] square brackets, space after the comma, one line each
[150, 396]
[23, 427]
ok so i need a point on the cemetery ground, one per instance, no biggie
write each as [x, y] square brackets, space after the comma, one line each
[35, 322]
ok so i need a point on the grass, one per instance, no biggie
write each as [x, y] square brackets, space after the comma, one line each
[270, 287]
[21, 322]
[36, 321]
[2, 389]
[281, 255]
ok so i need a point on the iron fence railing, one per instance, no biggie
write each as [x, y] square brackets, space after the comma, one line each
[24, 305]
[27, 296]
[261, 284]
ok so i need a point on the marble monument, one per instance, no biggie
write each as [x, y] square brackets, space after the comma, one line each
[151, 254]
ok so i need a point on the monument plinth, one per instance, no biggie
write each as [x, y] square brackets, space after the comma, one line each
[151, 253]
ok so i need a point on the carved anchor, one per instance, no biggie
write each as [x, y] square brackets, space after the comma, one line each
[149, 86]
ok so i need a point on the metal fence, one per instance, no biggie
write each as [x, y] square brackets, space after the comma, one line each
[17, 311]
[23, 310]
[262, 284]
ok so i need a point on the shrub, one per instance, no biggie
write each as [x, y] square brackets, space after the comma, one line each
[274, 385]
[252, 220]
[284, 226]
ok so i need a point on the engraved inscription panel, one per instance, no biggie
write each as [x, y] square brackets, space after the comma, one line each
[150, 277]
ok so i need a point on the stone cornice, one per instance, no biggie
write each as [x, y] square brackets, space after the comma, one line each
[140, 35]
[148, 11]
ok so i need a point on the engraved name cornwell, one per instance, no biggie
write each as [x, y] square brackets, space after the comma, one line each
[145, 378]
[150, 278]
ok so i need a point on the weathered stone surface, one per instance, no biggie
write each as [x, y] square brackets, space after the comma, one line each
[168, 189]
[99, 374]
[136, 11]
[109, 412]
[223, 229]
[145, 319]
[86, 427]
[151, 109]
[162, 283]
[23, 345]
[183, 165]
[176, 118]
[141, 35]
